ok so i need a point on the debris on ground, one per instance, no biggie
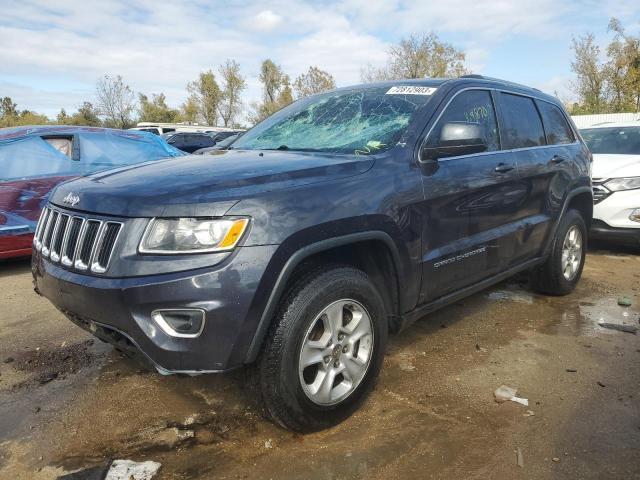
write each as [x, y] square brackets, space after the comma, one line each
[530, 413]
[130, 470]
[555, 459]
[571, 370]
[8, 360]
[519, 458]
[480, 349]
[619, 326]
[601, 384]
[268, 444]
[505, 393]
[97, 472]
[624, 301]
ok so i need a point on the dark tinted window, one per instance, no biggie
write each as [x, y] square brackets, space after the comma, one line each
[555, 124]
[522, 126]
[473, 106]
[617, 140]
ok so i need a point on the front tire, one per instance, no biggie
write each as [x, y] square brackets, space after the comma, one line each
[324, 351]
[562, 270]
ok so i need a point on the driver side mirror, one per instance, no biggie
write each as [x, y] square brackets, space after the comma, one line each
[456, 138]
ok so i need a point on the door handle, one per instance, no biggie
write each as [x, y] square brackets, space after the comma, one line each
[556, 159]
[504, 168]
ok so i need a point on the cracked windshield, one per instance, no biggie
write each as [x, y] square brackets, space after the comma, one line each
[360, 122]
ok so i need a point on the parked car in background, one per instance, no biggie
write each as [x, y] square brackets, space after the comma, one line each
[190, 141]
[616, 181]
[220, 145]
[340, 218]
[166, 128]
[35, 159]
[219, 136]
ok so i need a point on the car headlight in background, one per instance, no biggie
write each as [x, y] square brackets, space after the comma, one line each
[192, 235]
[619, 184]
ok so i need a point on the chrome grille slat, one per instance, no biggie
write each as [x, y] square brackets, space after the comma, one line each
[48, 233]
[87, 244]
[58, 237]
[77, 242]
[37, 235]
[105, 246]
[71, 242]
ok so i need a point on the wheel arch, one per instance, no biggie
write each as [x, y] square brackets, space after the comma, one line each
[334, 250]
[580, 198]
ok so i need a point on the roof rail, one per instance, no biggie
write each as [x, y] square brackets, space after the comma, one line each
[498, 80]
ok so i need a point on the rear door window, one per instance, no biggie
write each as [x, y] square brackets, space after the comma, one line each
[521, 123]
[556, 126]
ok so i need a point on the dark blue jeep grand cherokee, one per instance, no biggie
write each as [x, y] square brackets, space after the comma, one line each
[340, 218]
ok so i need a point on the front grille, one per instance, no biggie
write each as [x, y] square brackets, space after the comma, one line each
[76, 241]
[600, 192]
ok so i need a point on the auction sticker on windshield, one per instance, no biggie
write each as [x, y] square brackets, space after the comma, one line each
[410, 90]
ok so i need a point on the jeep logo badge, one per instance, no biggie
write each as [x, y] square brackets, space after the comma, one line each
[71, 199]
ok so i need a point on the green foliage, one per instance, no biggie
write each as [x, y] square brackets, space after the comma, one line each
[86, 116]
[156, 109]
[611, 86]
[11, 117]
[277, 91]
[206, 94]
[312, 82]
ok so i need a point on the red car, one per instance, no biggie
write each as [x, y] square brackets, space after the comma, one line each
[33, 160]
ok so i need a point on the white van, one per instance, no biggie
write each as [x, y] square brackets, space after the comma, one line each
[162, 128]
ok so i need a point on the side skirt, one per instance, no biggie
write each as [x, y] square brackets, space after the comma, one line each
[422, 310]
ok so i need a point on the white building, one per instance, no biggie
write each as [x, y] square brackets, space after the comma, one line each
[585, 121]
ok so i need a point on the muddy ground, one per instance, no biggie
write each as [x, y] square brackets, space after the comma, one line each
[68, 402]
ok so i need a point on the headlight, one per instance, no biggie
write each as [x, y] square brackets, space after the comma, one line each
[619, 184]
[192, 235]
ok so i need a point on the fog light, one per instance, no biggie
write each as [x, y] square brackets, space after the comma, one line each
[635, 215]
[182, 323]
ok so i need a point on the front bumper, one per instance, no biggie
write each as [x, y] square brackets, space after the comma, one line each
[600, 230]
[120, 308]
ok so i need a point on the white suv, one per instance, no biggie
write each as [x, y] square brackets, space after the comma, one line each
[616, 180]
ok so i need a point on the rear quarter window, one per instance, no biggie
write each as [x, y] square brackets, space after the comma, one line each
[556, 126]
[521, 123]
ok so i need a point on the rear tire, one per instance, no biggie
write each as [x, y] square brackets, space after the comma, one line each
[563, 268]
[333, 321]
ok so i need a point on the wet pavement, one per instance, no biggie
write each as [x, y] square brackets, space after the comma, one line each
[68, 402]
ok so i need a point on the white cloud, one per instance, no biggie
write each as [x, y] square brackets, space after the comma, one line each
[161, 46]
[265, 21]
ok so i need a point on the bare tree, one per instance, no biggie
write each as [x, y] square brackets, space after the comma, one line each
[312, 82]
[234, 83]
[419, 56]
[116, 101]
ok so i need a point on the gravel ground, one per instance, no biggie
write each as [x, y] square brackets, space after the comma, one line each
[68, 402]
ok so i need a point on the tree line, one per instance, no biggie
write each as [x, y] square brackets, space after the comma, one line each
[603, 83]
[215, 98]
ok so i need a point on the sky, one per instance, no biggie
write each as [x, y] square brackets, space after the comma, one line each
[52, 53]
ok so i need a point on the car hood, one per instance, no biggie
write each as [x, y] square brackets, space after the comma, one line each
[615, 166]
[203, 185]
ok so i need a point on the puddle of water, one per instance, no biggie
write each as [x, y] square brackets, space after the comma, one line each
[583, 317]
